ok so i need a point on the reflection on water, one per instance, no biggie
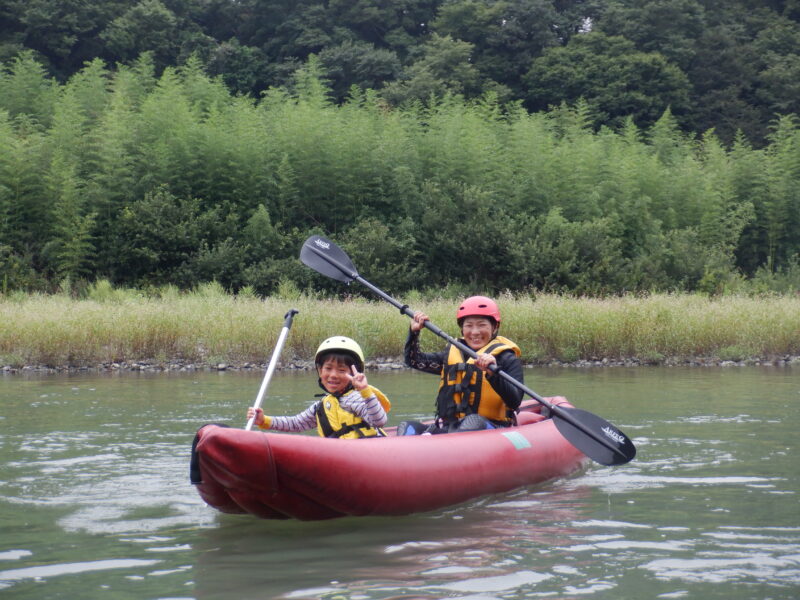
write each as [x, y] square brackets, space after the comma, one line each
[95, 499]
[43, 572]
[112, 486]
[478, 547]
[737, 554]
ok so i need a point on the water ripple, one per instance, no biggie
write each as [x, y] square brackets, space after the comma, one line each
[8, 578]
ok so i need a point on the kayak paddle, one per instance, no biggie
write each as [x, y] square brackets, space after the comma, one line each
[287, 324]
[595, 437]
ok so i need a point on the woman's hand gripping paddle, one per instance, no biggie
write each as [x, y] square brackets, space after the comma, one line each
[595, 437]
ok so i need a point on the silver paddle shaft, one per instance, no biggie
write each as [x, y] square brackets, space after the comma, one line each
[272, 363]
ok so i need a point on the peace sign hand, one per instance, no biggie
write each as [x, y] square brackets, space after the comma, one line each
[359, 380]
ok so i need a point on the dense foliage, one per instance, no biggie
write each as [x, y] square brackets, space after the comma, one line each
[149, 179]
[732, 65]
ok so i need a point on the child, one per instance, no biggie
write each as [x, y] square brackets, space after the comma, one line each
[351, 409]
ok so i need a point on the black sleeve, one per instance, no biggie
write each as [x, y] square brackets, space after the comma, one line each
[511, 395]
[429, 362]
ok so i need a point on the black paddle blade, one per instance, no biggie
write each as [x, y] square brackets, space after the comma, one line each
[595, 437]
[328, 259]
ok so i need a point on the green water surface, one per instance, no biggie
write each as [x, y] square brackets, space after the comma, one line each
[95, 499]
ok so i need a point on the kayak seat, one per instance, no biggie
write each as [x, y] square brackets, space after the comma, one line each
[411, 428]
[474, 422]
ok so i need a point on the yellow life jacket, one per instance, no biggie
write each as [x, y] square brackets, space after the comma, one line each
[464, 390]
[336, 422]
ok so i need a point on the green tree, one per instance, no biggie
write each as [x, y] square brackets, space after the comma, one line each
[222, 262]
[70, 252]
[17, 272]
[668, 27]
[148, 25]
[10, 222]
[505, 35]
[449, 248]
[91, 88]
[11, 31]
[64, 33]
[725, 216]
[26, 89]
[615, 80]
[287, 198]
[242, 68]
[389, 254]
[23, 209]
[271, 254]
[778, 80]
[158, 238]
[562, 256]
[167, 137]
[358, 64]
[779, 214]
[723, 75]
[444, 68]
[115, 148]
[739, 56]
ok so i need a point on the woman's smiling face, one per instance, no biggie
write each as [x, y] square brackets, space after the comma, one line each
[477, 331]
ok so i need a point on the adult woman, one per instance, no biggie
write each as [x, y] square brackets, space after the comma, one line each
[471, 396]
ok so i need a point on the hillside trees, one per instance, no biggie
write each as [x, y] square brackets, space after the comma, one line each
[727, 66]
[505, 36]
[615, 80]
[148, 26]
[147, 179]
[738, 56]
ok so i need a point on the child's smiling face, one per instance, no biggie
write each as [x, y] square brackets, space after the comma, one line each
[335, 375]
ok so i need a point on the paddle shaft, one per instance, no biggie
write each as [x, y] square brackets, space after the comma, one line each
[405, 310]
[287, 324]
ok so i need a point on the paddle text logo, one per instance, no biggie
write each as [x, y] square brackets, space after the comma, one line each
[322, 244]
[614, 435]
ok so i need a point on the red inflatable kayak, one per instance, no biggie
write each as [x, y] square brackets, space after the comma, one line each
[289, 476]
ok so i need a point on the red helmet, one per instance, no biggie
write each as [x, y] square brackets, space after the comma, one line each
[478, 306]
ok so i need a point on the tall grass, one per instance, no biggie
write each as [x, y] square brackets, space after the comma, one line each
[209, 327]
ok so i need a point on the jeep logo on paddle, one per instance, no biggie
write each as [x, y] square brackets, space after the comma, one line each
[322, 244]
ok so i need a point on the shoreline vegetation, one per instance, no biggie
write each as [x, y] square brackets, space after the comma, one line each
[208, 329]
[148, 180]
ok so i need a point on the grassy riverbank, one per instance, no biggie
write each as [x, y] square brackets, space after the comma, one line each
[209, 327]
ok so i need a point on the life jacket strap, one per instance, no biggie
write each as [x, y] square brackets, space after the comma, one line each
[470, 391]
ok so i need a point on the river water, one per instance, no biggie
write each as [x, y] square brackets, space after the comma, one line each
[95, 499]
